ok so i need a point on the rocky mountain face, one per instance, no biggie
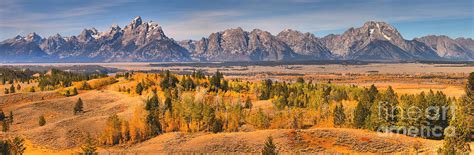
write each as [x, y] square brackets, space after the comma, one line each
[138, 41]
[146, 41]
[22, 48]
[306, 45]
[239, 45]
[358, 43]
[459, 49]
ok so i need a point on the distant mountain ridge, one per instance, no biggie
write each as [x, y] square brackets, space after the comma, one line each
[146, 41]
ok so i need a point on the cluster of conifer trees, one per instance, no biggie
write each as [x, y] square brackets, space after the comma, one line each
[214, 104]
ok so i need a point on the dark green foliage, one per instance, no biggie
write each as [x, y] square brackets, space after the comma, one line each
[90, 146]
[74, 91]
[12, 74]
[5, 125]
[168, 80]
[59, 78]
[187, 83]
[18, 87]
[85, 86]
[67, 94]
[139, 88]
[456, 140]
[339, 115]
[2, 115]
[225, 85]
[215, 81]
[470, 86]
[168, 105]
[198, 75]
[153, 118]
[217, 126]
[266, 90]
[13, 146]
[12, 89]
[372, 93]
[78, 107]
[41, 121]
[360, 114]
[269, 148]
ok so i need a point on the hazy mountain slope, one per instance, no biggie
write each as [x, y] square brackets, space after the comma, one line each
[305, 44]
[449, 48]
[356, 40]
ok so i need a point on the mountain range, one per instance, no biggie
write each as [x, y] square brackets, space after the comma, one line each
[146, 42]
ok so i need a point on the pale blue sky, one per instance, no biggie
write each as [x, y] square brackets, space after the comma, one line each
[193, 19]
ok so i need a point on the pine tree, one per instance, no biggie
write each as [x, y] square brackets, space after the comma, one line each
[269, 148]
[12, 89]
[2, 115]
[18, 87]
[360, 114]
[139, 88]
[456, 140]
[6, 91]
[470, 86]
[78, 107]
[339, 115]
[74, 91]
[89, 147]
[41, 120]
[67, 94]
[5, 126]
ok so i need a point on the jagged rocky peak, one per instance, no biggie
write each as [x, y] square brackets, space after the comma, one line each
[33, 37]
[88, 35]
[447, 47]
[137, 21]
[306, 44]
[375, 30]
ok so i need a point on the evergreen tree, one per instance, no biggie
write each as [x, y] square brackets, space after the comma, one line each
[18, 87]
[456, 140]
[12, 89]
[89, 147]
[41, 120]
[139, 88]
[78, 107]
[74, 91]
[339, 115]
[269, 148]
[5, 126]
[360, 114]
[470, 86]
[2, 115]
[67, 94]
[6, 91]
[4, 147]
[153, 118]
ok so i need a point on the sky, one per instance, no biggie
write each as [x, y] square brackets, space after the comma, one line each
[194, 19]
